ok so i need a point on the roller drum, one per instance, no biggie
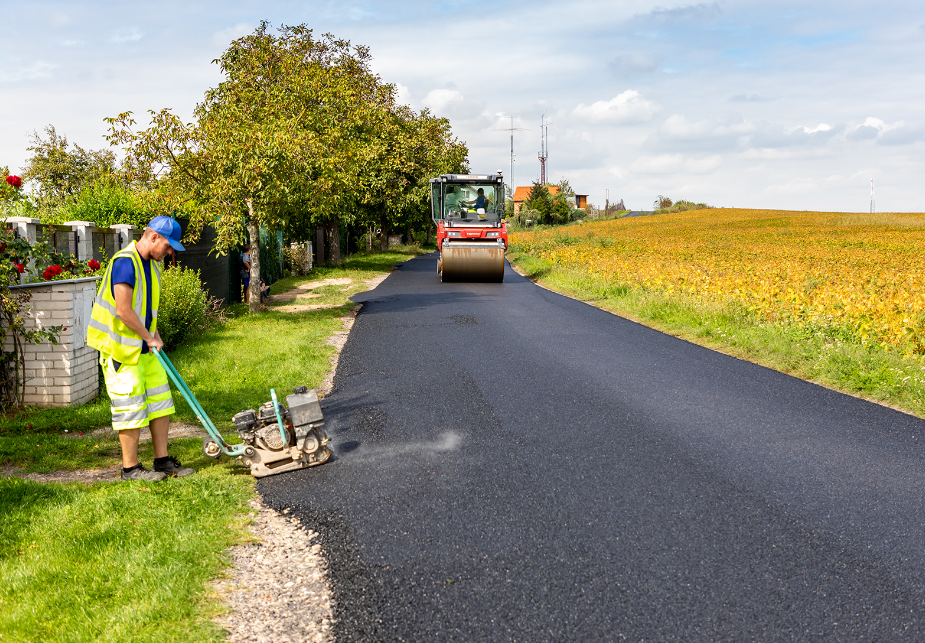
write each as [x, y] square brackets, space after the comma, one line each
[472, 262]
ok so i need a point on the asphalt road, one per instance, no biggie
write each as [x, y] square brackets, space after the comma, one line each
[514, 465]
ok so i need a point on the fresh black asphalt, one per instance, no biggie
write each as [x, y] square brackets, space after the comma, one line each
[514, 465]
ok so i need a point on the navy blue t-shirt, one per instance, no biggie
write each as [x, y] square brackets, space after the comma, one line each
[123, 272]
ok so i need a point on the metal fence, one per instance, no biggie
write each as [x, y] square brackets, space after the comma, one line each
[61, 238]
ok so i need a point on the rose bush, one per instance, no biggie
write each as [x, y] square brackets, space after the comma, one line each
[15, 255]
[72, 269]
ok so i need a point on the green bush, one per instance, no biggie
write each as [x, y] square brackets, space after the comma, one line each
[184, 306]
[105, 202]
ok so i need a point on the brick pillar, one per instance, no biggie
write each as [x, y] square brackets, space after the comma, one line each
[84, 233]
[125, 235]
[26, 228]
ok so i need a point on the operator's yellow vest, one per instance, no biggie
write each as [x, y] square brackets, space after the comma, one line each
[106, 332]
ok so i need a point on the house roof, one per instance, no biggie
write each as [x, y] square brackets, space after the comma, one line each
[522, 192]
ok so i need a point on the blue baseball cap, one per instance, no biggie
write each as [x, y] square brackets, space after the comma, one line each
[169, 229]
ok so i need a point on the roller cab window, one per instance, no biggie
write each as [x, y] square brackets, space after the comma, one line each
[473, 202]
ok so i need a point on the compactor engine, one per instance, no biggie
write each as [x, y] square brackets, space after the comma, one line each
[281, 439]
[471, 235]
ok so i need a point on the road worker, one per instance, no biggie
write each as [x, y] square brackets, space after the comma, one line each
[123, 328]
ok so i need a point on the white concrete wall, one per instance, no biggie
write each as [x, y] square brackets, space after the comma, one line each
[66, 373]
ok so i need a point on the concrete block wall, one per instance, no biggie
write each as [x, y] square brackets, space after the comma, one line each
[66, 373]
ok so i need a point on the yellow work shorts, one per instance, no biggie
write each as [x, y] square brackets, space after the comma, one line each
[138, 393]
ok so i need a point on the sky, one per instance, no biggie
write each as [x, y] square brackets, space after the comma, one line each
[749, 104]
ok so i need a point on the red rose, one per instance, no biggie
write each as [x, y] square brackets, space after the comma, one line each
[20, 268]
[93, 264]
[2, 247]
[15, 181]
[51, 272]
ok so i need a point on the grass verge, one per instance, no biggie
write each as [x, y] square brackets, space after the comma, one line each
[116, 562]
[821, 355]
[131, 561]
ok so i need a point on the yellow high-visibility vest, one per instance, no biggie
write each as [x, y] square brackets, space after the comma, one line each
[105, 331]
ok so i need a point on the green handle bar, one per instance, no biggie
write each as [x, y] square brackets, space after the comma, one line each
[228, 449]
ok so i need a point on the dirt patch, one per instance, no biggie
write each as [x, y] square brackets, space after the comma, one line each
[301, 308]
[300, 291]
[176, 430]
[295, 293]
[108, 474]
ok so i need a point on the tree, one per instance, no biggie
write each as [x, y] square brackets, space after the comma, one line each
[541, 201]
[560, 212]
[279, 141]
[565, 189]
[61, 173]
[661, 202]
[300, 134]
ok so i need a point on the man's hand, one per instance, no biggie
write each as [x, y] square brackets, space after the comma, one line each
[156, 342]
[129, 317]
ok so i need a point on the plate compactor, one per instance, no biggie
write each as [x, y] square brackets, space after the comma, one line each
[274, 438]
[471, 235]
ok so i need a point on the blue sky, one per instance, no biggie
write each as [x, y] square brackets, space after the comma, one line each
[789, 105]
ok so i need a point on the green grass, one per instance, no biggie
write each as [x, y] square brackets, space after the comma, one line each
[131, 561]
[821, 355]
[116, 562]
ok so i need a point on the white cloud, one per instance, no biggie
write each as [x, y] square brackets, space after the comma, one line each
[873, 128]
[674, 163]
[821, 127]
[225, 37]
[902, 135]
[750, 98]
[661, 164]
[127, 34]
[704, 165]
[627, 64]
[38, 69]
[450, 103]
[438, 99]
[628, 107]
[402, 94]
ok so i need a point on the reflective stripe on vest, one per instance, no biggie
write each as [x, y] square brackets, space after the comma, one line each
[105, 331]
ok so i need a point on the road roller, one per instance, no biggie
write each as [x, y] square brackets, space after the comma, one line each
[471, 235]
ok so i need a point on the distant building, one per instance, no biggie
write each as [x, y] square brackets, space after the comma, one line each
[522, 192]
[581, 201]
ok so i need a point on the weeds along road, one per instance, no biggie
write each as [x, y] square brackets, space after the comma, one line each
[513, 465]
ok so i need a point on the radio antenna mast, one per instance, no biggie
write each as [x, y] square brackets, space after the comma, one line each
[873, 204]
[544, 150]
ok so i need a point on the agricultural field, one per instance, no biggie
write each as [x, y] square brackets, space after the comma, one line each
[849, 277]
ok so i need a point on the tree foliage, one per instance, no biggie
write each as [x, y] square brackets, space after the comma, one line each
[299, 134]
[60, 172]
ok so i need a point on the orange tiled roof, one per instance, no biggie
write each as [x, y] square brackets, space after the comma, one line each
[522, 192]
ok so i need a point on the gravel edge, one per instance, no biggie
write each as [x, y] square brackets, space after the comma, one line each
[277, 588]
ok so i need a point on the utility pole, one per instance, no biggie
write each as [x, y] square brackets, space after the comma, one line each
[512, 129]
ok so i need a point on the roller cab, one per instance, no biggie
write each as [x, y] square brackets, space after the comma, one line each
[471, 234]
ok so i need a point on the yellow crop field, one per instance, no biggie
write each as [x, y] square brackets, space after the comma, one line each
[862, 274]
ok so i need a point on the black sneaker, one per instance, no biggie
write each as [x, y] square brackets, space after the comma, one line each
[172, 467]
[138, 472]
